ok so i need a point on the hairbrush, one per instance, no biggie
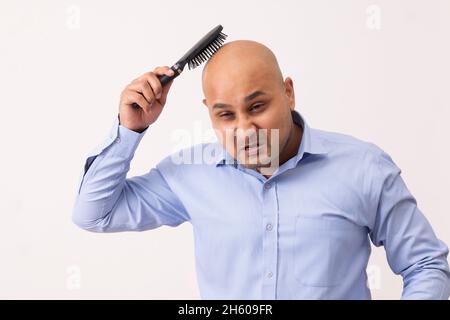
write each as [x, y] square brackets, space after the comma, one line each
[199, 53]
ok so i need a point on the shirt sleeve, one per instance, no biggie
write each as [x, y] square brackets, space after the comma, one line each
[108, 201]
[411, 246]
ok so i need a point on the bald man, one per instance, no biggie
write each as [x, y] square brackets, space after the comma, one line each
[279, 210]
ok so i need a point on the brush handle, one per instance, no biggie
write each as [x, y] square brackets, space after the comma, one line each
[165, 79]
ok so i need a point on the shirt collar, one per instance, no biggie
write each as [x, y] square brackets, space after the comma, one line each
[310, 144]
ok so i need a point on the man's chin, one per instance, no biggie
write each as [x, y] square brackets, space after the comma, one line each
[249, 162]
[255, 164]
[251, 166]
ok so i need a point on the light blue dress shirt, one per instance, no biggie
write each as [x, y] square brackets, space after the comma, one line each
[304, 233]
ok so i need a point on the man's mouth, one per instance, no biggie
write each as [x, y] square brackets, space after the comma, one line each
[251, 149]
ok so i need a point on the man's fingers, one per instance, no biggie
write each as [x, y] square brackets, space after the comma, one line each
[146, 89]
[142, 86]
[155, 84]
[164, 70]
[166, 89]
[135, 97]
[152, 78]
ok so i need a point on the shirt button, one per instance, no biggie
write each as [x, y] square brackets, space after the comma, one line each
[269, 275]
[269, 227]
[267, 186]
[117, 139]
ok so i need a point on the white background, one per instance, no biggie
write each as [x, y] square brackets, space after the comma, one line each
[377, 70]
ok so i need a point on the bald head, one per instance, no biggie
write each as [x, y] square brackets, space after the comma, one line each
[240, 61]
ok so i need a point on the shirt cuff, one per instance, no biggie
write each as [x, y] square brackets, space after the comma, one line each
[126, 141]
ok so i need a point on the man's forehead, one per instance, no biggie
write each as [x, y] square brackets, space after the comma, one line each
[245, 67]
[239, 84]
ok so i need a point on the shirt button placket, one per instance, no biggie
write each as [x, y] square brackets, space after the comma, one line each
[270, 239]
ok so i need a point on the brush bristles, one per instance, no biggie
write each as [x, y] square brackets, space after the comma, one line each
[208, 51]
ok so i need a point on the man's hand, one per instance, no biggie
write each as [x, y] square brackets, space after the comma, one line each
[142, 101]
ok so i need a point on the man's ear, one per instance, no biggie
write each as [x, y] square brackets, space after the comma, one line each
[289, 91]
[204, 102]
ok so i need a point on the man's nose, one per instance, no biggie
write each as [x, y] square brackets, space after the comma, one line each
[246, 124]
[246, 130]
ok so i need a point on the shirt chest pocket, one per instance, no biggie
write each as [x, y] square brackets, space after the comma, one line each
[324, 248]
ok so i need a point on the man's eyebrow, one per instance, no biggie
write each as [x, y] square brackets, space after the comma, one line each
[220, 105]
[252, 96]
[248, 98]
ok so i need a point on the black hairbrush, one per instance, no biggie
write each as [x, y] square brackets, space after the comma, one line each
[199, 53]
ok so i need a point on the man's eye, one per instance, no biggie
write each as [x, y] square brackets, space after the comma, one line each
[224, 114]
[256, 107]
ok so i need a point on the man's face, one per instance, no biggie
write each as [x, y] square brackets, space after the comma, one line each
[251, 113]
